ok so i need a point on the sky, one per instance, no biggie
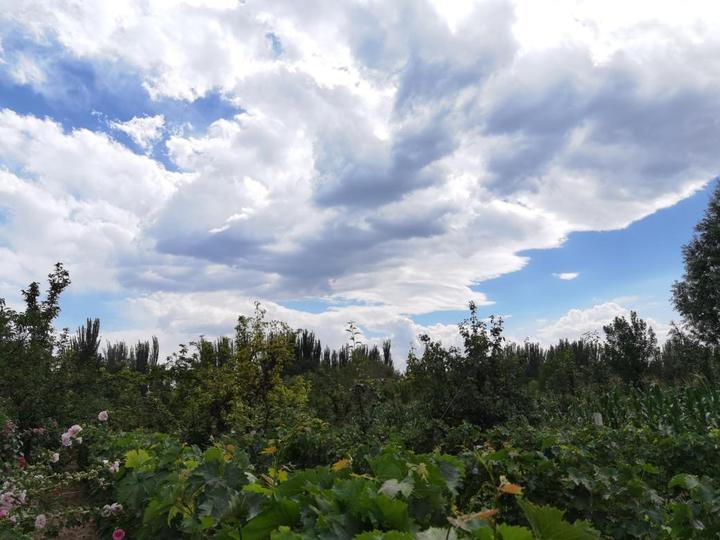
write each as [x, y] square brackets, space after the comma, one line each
[380, 162]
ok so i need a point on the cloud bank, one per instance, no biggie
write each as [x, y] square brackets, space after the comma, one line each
[386, 158]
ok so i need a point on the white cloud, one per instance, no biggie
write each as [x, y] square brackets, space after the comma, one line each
[144, 131]
[182, 317]
[76, 197]
[385, 155]
[577, 322]
[566, 276]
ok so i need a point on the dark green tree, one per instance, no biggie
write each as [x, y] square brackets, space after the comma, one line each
[86, 343]
[27, 340]
[630, 347]
[476, 384]
[697, 295]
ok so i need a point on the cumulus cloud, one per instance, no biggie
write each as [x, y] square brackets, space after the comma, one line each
[144, 131]
[392, 155]
[76, 197]
[578, 322]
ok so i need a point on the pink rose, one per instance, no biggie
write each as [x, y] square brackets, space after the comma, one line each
[55, 458]
[40, 521]
[3, 513]
[66, 439]
[103, 416]
[74, 430]
[118, 534]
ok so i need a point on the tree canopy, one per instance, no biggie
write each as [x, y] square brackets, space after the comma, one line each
[697, 295]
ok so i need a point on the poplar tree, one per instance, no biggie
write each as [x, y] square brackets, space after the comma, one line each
[697, 295]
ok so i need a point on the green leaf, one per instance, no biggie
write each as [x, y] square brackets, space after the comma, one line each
[135, 459]
[284, 533]
[257, 488]
[684, 481]
[510, 532]
[394, 512]
[282, 512]
[388, 465]
[206, 522]
[483, 533]
[548, 524]
[214, 454]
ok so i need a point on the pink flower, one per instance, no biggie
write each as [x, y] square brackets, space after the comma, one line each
[114, 467]
[74, 430]
[3, 513]
[66, 439]
[55, 458]
[103, 416]
[118, 534]
[40, 521]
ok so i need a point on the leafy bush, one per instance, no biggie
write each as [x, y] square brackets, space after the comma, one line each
[168, 489]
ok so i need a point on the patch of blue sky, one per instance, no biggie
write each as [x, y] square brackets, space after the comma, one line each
[373, 334]
[275, 44]
[636, 265]
[307, 305]
[444, 317]
[76, 307]
[82, 93]
[318, 305]
[5, 218]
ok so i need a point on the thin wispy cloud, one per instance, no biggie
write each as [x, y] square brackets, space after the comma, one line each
[566, 276]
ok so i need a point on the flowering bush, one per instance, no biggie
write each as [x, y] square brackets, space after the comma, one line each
[10, 444]
[51, 490]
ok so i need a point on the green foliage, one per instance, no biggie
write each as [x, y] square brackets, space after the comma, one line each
[615, 435]
[630, 347]
[479, 384]
[27, 340]
[692, 408]
[170, 490]
[697, 295]
[697, 512]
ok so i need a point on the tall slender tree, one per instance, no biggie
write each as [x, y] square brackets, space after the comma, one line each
[697, 295]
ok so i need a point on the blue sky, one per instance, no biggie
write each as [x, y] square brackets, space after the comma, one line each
[382, 163]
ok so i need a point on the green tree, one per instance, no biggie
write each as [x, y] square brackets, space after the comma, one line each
[697, 295]
[27, 340]
[630, 346]
[477, 384]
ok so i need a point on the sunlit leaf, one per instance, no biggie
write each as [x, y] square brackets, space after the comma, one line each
[340, 465]
[392, 487]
